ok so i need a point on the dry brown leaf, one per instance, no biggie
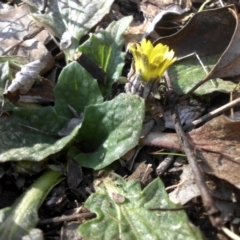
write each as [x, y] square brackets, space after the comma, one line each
[207, 33]
[158, 27]
[228, 64]
[135, 32]
[41, 92]
[143, 172]
[151, 8]
[153, 15]
[217, 143]
[221, 191]
[24, 80]
[15, 24]
[187, 189]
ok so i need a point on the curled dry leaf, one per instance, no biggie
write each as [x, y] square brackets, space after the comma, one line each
[153, 8]
[202, 33]
[228, 64]
[174, 10]
[24, 79]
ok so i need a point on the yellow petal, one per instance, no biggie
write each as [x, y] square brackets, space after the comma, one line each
[151, 61]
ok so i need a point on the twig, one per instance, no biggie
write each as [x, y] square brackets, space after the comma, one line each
[230, 234]
[160, 139]
[208, 202]
[136, 152]
[165, 164]
[169, 209]
[96, 71]
[212, 114]
[67, 218]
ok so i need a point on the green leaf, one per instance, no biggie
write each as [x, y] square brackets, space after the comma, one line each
[75, 88]
[34, 132]
[123, 213]
[19, 220]
[44, 119]
[186, 73]
[105, 49]
[70, 20]
[20, 142]
[109, 130]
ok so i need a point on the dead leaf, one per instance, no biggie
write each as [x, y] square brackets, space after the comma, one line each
[41, 92]
[220, 190]
[174, 10]
[24, 79]
[188, 112]
[152, 8]
[228, 64]
[135, 32]
[16, 25]
[207, 33]
[143, 172]
[187, 188]
[217, 144]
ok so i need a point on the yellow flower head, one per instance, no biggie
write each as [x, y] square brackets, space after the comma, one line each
[151, 61]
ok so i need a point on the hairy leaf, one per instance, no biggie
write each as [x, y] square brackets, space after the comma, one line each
[33, 135]
[123, 213]
[75, 88]
[70, 20]
[109, 130]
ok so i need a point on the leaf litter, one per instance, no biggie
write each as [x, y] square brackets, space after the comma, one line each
[109, 124]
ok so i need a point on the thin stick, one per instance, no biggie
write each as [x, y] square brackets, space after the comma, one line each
[204, 68]
[169, 209]
[165, 164]
[212, 114]
[230, 234]
[67, 218]
[208, 202]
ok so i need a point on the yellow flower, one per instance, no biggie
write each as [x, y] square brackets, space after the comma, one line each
[151, 61]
